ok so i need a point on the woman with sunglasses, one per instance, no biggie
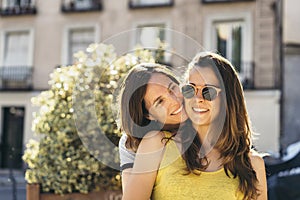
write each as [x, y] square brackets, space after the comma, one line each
[150, 100]
[220, 162]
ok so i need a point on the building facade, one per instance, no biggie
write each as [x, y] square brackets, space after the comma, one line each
[291, 70]
[36, 36]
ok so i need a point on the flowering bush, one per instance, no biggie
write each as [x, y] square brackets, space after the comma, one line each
[66, 157]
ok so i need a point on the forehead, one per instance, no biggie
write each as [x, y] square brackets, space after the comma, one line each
[203, 75]
[157, 86]
[159, 79]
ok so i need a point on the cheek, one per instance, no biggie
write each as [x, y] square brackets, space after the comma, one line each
[216, 106]
[158, 113]
[187, 103]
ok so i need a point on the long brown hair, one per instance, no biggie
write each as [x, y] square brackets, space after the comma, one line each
[133, 112]
[234, 142]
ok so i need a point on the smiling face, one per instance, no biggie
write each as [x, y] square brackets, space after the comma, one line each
[164, 101]
[200, 111]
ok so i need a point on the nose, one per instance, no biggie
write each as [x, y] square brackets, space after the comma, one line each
[198, 95]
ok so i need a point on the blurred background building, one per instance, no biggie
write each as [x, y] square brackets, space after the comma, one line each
[291, 71]
[36, 36]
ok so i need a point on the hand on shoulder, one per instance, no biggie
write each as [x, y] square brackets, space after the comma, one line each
[149, 153]
[152, 142]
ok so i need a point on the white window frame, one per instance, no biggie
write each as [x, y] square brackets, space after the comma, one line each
[168, 36]
[210, 36]
[66, 31]
[150, 2]
[3, 34]
[247, 32]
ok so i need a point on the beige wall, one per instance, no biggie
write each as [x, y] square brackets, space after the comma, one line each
[190, 17]
[264, 111]
[291, 22]
[264, 42]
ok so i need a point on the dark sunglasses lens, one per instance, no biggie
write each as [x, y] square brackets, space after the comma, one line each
[188, 91]
[209, 93]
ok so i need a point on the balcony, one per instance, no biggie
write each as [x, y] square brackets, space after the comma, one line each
[223, 1]
[246, 74]
[16, 78]
[15, 8]
[133, 4]
[71, 6]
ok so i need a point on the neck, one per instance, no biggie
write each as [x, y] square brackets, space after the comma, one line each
[201, 131]
[215, 162]
[171, 127]
[208, 138]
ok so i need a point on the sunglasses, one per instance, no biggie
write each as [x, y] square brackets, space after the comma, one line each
[208, 92]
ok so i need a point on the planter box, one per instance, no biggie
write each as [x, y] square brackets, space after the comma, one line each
[33, 193]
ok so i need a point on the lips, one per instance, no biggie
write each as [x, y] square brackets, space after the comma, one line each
[200, 110]
[178, 110]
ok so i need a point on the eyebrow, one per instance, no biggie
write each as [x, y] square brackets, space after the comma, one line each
[159, 97]
[207, 84]
[170, 84]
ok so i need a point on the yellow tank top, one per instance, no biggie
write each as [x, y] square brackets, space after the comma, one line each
[172, 184]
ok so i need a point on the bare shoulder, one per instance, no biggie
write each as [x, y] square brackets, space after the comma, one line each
[152, 141]
[258, 165]
[257, 161]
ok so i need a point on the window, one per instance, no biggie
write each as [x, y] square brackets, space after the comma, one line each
[152, 36]
[150, 3]
[229, 41]
[79, 39]
[18, 7]
[219, 1]
[16, 49]
[16, 3]
[230, 34]
[16, 69]
[81, 5]
[148, 35]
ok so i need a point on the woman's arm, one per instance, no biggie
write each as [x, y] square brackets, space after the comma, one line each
[140, 181]
[125, 176]
[259, 167]
[126, 159]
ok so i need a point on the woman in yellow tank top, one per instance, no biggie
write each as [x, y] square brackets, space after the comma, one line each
[211, 156]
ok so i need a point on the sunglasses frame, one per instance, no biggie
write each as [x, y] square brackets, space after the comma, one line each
[200, 88]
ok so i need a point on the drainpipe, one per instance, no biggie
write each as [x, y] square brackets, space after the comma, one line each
[277, 8]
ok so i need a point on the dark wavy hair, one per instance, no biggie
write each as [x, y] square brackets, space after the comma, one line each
[133, 112]
[234, 143]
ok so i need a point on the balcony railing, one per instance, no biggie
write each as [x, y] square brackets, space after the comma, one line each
[16, 78]
[150, 3]
[246, 74]
[81, 5]
[223, 1]
[13, 8]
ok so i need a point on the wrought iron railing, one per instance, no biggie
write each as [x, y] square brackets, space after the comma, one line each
[81, 5]
[246, 74]
[17, 7]
[150, 3]
[16, 78]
